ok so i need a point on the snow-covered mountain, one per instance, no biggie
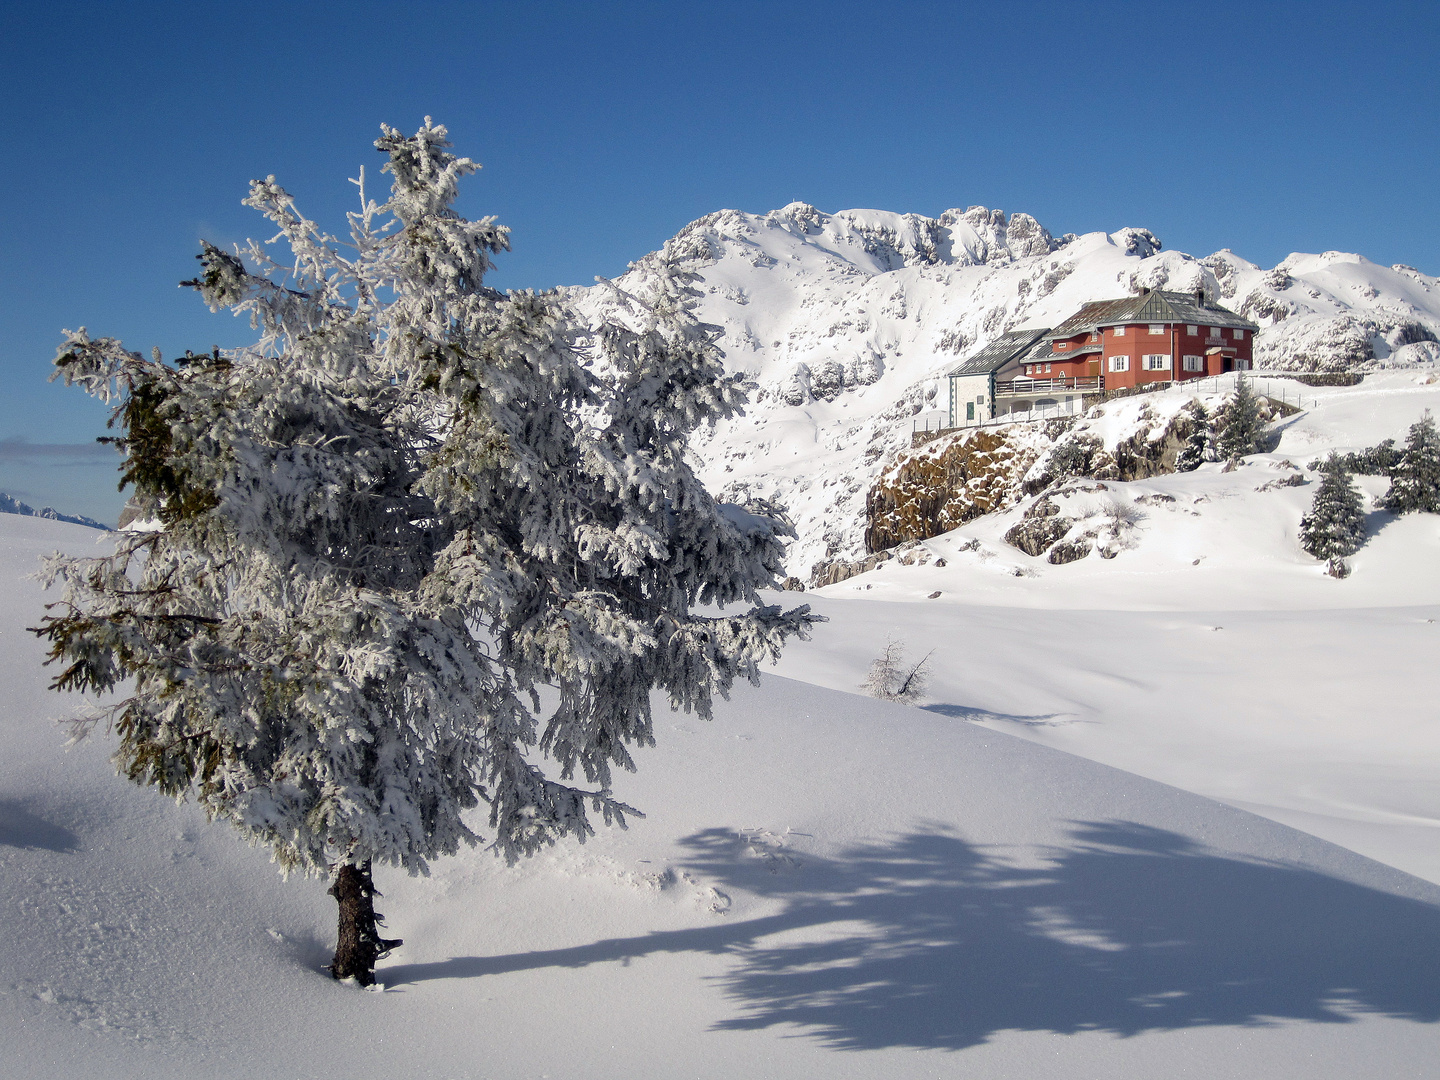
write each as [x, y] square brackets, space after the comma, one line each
[11, 505]
[844, 322]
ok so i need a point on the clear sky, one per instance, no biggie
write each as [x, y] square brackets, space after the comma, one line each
[604, 128]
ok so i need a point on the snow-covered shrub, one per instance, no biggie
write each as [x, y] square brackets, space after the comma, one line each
[893, 678]
[828, 380]
[864, 370]
[1379, 460]
[796, 389]
[1075, 455]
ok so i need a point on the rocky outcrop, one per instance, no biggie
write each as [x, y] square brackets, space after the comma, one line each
[1150, 451]
[831, 571]
[1068, 551]
[947, 482]
[1033, 535]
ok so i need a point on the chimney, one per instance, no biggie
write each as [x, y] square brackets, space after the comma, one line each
[1200, 297]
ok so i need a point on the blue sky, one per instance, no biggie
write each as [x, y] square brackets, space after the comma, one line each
[604, 128]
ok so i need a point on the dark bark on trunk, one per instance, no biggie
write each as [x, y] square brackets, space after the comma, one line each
[358, 944]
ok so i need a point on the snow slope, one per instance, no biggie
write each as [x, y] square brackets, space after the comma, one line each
[842, 323]
[825, 886]
[1212, 652]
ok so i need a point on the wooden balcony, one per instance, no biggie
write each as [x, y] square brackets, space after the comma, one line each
[1059, 384]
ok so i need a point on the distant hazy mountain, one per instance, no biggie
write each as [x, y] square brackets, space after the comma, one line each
[9, 505]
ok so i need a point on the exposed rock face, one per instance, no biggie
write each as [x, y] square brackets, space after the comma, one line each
[1068, 551]
[946, 483]
[1034, 534]
[1150, 451]
[831, 571]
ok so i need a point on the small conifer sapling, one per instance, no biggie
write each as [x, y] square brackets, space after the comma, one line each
[1335, 526]
[1415, 477]
[1198, 447]
[1243, 423]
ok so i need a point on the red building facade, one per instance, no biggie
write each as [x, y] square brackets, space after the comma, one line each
[1154, 337]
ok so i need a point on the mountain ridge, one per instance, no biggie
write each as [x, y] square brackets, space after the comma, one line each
[842, 326]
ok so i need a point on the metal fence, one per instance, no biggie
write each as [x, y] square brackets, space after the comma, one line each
[1277, 386]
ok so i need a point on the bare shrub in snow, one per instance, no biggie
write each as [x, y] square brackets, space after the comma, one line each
[893, 678]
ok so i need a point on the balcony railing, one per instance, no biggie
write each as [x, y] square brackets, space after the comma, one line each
[1083, 384]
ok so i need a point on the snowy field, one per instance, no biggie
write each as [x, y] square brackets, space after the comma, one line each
[1172, 814]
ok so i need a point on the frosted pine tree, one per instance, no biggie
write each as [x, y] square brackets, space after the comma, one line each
[1335, 525]
[1415, 478]
[1243, 425]
[1198, 447]
[368, 541]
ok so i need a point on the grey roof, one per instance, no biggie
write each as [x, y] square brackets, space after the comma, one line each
[1153, 306]
[1068, 354]
[999, 352]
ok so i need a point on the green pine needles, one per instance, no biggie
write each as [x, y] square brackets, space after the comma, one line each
[1244, 425]
[1415, 477]
[1335, 526]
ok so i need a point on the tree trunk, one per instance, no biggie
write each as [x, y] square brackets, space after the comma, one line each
[358, 944]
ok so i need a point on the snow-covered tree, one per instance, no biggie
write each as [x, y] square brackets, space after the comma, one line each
[1415, 478]
[1198, 448]
[1335, 525]
[1243, 424]
[368, 541]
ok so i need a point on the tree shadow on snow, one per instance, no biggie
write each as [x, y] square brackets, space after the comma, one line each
[928, 942]
[19, 828]
[974, 715]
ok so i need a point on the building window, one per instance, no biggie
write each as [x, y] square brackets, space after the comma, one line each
[969, 410]
[1194, 363]
[1047, 369]
[1157, 361]
[979, 399]
[1239, 334]
[1119, 363]
[1119, 331]
[1192, 330]
[1157, 329]
[1215, 331]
